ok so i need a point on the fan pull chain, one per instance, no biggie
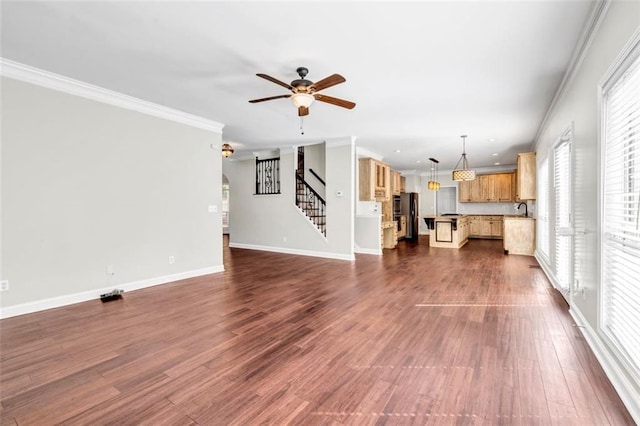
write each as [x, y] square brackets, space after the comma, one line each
[302, 125]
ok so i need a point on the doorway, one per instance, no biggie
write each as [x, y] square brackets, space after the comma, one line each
[225, 205]
[446, 200]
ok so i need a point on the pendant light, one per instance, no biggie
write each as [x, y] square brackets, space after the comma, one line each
[227, 150]
[465, 173]
[433, 184]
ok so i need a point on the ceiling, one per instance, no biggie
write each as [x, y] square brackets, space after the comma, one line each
[421, 73]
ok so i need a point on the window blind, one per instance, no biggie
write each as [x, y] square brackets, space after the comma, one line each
[620, 220]
[562, 186]
[543, 208]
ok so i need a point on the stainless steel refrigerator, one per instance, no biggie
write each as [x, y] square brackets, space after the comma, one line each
[409, 207]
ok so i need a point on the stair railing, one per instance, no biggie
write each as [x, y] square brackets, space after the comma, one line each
[312, 204]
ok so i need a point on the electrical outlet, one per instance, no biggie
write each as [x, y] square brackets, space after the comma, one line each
[4, 285]
[284, 239]
[172, 260]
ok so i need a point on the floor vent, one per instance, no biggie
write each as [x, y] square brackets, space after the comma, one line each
[535, 267]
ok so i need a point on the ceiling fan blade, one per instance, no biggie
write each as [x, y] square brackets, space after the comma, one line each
[275, 80]
[332, 80]
[269, 98]
[334, 101]
[302, 111]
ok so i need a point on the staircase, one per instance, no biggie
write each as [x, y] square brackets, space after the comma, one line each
[311, 204]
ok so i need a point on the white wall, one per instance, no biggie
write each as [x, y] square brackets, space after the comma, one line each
[578, 106]
[87, 184]
[314, 158]
[274, 222]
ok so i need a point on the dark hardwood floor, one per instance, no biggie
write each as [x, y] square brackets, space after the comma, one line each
[417, 336]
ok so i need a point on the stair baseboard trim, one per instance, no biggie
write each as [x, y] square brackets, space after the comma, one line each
[285, 250]
[94, 294]
[629, 396]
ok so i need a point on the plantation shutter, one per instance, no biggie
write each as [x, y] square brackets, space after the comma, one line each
[620, 221]
[543, 208]
[563, 241]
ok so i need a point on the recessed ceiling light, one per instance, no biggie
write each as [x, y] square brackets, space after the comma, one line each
[495, 154]
[496, 164]
[492, 140]
[397, 150]
[418, 161]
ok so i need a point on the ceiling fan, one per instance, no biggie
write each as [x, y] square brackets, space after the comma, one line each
[304, 92]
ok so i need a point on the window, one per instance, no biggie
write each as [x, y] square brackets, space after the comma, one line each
[267, 176]
[563, 247]
[620, 227]
[543, 209]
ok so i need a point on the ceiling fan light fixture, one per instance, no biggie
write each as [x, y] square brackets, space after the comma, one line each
[465, 173]
[227, 150]
[302, 99]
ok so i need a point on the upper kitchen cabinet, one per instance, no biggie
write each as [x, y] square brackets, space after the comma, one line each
[504, 187]
[491, 188]
[396, 184]
[526, 177]
[375, 180]
[471, 191]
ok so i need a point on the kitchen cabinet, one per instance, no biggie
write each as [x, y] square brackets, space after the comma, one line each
[447, 231]
[519, 235]
[490, 188]
[374, 180]
[464, 192]
[403, 184]
[485, 226]
[389, 234]
[402, 231]
[471, 191]
[475, 226]
[504, 187]
[396, 185]
[526, 177]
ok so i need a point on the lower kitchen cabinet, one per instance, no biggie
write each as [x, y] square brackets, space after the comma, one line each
[402, 227]
[519, 235]
[389, 234]
[485, 226]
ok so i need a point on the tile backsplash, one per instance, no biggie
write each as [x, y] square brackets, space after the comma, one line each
[490, 208]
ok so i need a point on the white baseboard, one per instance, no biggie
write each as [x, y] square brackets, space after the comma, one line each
[70, 299]
[361, 250]
[285, 250]
[627, 392]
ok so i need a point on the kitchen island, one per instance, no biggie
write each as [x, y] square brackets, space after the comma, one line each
[448, 231]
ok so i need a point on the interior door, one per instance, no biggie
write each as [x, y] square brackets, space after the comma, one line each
[563, 230]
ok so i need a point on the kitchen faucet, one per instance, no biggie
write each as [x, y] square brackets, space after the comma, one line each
[526, 213]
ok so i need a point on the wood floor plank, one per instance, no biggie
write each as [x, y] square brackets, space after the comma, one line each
[419, 336]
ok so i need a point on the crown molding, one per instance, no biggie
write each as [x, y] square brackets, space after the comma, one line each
[589, 32]
[343, 141]
[49, 80]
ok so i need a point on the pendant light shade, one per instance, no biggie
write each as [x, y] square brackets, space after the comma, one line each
[464, 173]
[433, 183]
[227, 151]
